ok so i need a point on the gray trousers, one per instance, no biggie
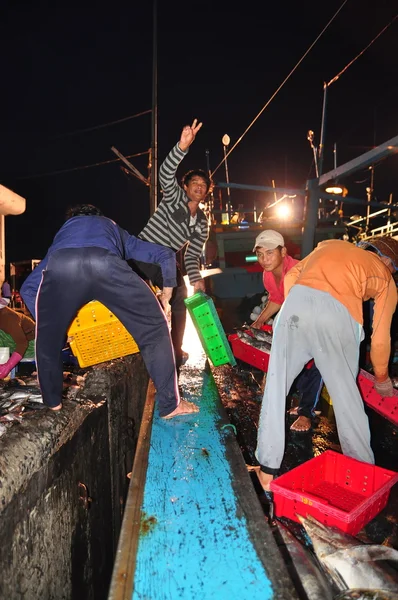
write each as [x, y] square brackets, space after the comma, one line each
[312, 324]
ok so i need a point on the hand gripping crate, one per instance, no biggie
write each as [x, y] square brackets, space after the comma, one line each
[96, 336]
[337, 490]
[387, 407]
[208, 325]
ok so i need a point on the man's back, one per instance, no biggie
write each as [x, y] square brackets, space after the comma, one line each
[89, 231]
[348, 273]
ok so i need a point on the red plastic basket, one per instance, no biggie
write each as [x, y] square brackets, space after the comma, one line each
[337, 490]
[388, 407]
[253, 356]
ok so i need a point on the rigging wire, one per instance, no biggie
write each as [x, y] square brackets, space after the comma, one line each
[62, 135]
[280, 87]
[105, 162]
[362, 51]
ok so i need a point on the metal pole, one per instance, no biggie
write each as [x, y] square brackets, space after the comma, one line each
[211, 195]
[227, 180]
[208, 163]
[335, 155]
[321, 148]
[310, 217]
[389, 210]
[153, 202]
[369, 193]
[369, 158]
[273, 185]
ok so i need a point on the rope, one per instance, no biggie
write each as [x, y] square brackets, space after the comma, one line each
[106, 162]
[360, 54]
[279, 88]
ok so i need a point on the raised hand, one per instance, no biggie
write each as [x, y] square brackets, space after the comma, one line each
[188, 135]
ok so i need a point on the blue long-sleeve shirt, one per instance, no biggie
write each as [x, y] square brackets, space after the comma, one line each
[101, 232]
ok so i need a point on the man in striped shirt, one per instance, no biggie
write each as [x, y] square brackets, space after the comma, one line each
[179, 223]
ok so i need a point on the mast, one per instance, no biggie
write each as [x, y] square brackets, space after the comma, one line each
[153, 201]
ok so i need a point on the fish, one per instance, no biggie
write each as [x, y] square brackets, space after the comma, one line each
[366, 595]
[248, 339]
[22, 396]
[261, 335]
[18, 396]
[36, 398]
[10, 417]
[350, 564]
[314, 582]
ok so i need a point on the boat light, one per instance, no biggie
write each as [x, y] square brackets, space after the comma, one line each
[283, 211]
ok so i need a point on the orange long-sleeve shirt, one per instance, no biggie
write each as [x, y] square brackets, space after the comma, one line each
[352, 275]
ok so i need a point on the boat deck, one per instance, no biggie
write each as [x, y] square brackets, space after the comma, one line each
[193, 526]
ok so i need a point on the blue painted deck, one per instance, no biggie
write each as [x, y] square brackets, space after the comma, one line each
[203, 534]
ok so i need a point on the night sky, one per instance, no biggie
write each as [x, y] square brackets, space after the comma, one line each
[64, 70]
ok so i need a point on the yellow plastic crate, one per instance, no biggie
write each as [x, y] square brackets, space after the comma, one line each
[96, 336]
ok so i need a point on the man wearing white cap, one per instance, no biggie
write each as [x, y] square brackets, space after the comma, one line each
[322, 318]
[273, 257]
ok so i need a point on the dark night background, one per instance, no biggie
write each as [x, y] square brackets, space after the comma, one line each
[66, 69]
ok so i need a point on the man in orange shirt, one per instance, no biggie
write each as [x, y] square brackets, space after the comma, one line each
[321, 318]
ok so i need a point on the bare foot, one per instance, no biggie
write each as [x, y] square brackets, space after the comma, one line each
[56, 407]
[184, 408]
[301, 424]
[264, 478]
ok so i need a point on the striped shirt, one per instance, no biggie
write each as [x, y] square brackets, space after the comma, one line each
[170, 225]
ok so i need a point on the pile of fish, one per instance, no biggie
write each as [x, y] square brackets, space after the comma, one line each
[14, 401]
[353, 570]
[21, 396]
[257, 338]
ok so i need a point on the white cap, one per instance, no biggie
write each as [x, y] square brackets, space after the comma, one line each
[269, 239]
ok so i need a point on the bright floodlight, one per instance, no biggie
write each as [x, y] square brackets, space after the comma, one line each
[334, 189]
[283, 211]
[226, 140]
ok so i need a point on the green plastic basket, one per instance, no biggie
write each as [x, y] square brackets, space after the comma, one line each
[208, 325]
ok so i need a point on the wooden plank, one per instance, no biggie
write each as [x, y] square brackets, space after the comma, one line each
[122, 584]
[203, 532]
